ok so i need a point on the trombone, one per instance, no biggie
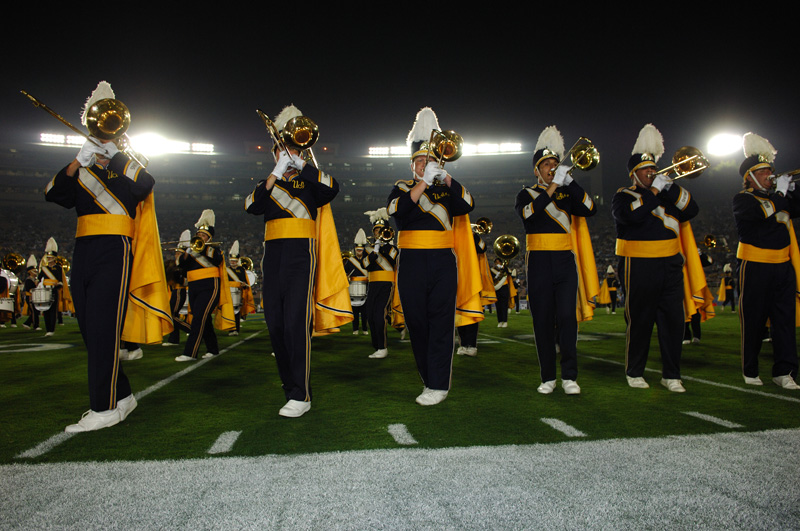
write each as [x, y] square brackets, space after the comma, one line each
[383, 233]
[482, 226]
[300, 133]
[108, 119]
[506, 247]
[583, 155]
[445, 146]
[687, 162]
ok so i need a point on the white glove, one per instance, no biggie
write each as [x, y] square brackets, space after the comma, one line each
[111, 150]
[782, 184]
[661, 183]
[87, 153]
[297, 162]
[282, 166]
[377, 245]
[562, 177]
[433, 171]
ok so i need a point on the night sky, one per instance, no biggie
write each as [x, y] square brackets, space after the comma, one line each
[490, 78]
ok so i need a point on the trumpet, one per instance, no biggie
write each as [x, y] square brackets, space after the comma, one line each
[506, 247]
[687, 162]
[482, 226]
[383, 233]
[108, 119]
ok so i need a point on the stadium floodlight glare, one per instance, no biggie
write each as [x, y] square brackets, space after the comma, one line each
[724, 144]
[467, 149]
[149, 144]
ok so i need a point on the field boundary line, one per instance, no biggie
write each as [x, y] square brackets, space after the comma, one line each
[48, 444]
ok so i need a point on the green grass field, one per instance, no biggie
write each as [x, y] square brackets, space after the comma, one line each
[493, 400]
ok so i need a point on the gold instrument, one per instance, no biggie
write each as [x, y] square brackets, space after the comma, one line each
[383, 233]
[13, 261]
[246, 262]
[347, 254]
[711, 241]
[584, 155]
[63, 263]
[108, 119]
[774, 178]
[445, 146]
[687, 162]
[197, 244]
[299, 133]
[482, 226]
[506, 247]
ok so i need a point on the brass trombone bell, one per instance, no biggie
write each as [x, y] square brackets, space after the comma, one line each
[13, 261]
[108, 119]
[299, 133]
[197, 244]
[482, 226]
[584, 155]
[445, 146]
[688, 162]
[384, 233]
[506, 247]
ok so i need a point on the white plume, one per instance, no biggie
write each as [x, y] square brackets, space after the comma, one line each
[235, 248]
[207, 219]
[551, 139]
[650, 141]
[51, 246]
[361, 237]
[424, 123]
[102, 92]
[288, 112]
[752, 144]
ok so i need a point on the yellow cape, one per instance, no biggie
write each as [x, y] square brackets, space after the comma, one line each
[148, 318]
[332, 307]
[588, 285]
[469, 309]
[696, 295]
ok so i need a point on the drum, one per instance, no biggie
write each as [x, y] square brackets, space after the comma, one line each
[358, 292]
[13, 281]
[236, 299]
[7, 305]
[42, 298]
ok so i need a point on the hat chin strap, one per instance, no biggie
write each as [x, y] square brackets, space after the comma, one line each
[755, 181]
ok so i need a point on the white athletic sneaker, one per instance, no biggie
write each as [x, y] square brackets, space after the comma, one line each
[92, 420]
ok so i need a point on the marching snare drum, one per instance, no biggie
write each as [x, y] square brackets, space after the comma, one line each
[6, 305]
[358, 292]
[236, 299]
[42, 298]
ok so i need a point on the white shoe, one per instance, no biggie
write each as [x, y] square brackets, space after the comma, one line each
[505, 324]
[48, 334]
[431, 397]
[753, 381]
[234, 333]
[168, 344]
[183, 357]
[673, 384]
[570, 387]
[461, 351]
[472, 351]
[787, 382]
[365, 332]
[637, 382]
[209, 355]
[355, 332]
[92, 420]
[608, 310]
[499, 325]
[125, 406]
[695, 340]
[403, 333]
[379, 354]
[547, 387]
[130, 354]
[614, 313]
[294, 408]
[685, 342]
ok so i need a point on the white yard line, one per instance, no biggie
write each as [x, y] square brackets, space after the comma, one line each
[563, 427]
[684, 378]
[47, 445]
[401, 435]
[712, 419]
[224, 442]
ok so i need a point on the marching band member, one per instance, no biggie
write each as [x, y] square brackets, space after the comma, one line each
[51, 275]
[381, 263]
[237, 275]
[551, 211]
[608, 291]
[502, 287]
[728, 284]
[468, 334]
[290, 200]
[203, 273]
[105, 187]
[32, 268]
[425, 209]
[768, 263]
[648, 215]
[178, 286]
[356, 269]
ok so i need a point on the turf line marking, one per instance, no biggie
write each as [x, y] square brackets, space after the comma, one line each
[224, 442]
[47, 445]
[563, 427]
[684, 378]
[715, 420]
[400, 434]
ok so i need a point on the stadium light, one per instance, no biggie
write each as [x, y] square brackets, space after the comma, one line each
[503, 148]
[149, 144]
[724, 144]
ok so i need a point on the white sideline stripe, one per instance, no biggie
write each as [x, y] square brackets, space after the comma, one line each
[400, 434]
[715, 420]
[224, 442]
[685, 378]
[45, 446]
[563, 427]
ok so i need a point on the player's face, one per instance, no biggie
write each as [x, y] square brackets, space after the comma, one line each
[761, 176]
[646, 176]
[545, 170]
[418, 165]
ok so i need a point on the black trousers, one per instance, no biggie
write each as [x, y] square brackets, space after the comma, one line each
[361, 315]
[767, 291]
[51, 314]
[653, 290]
[468, 335]
[289, 267]
[503, 296]
[100, 279]
[203, 300]
[176, 301]
[428, 280]
[552, 297]
[378, 308]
